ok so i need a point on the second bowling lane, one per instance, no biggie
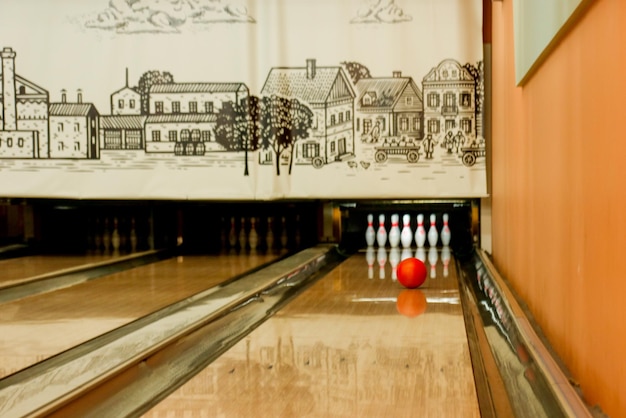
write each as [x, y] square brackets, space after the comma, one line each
[37, 327]
[16, 270]
[348, 346]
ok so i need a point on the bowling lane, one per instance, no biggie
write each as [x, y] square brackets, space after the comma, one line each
[22, 269]
[37, 327]
[354, 344]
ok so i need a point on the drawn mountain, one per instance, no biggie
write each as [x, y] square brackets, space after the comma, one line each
[381, 11]
[136, 16]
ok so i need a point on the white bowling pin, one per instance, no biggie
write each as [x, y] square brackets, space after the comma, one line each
[269, 237]
[406, 236]
[394, 232]
[133, 236]
[382, 260]
[232, 235]
[433, 235]
[394, 260]
[433, 256]
[243, 236]
[370, 234]
[253, 236]
[370, 257]
[420, 232]
[445, 259]
[284, 239]
[445, 231]
[115, 236]
[381, 235]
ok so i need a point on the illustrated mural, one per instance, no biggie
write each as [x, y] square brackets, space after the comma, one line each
[247, 100]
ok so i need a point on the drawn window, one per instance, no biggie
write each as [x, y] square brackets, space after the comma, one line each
[22, 90]
[433, 126]
[367, 100]
[156, 136]
[195, 135]
[133, 139]
[208, 107]
[449, 99]
[332, 120]
[310, 150]
[120, 103]
[175, 107]
[433, 100]
[332, 147]
[466, 125]
[61, 145]
[9, 142]
[358, 124]
[185, 135]
[465, 99]
[20, 142]
[60, 127]
[367, 125]
[112, 139]
[77, 127]
[450, 124]
[76, 146]
[404, 124]
[193, 107]
[172, 136]
[409, 101]
[348, 115]
[206, 136]
[158, 107]
[416, 124]
[131, 103]
[340, 117]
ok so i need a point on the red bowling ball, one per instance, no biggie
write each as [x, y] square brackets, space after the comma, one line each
[411, 273]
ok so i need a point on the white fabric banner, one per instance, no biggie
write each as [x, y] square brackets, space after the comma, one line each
[227, 99]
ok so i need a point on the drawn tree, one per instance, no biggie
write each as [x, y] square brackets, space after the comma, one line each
[283, 122]
[356, 70]
[225, 127]
[477, 72]
[148, 79]
[301, 120]
[238, 127]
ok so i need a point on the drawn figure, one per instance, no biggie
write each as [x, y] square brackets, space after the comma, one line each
[376, 132]
[429, 146]
[459, 139]
[449, 142]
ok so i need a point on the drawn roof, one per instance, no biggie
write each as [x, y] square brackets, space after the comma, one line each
[183, 118]
[197, 87]
[388, 90]
[293, 82]
[70, 109]
[122, 122]
[133, 89]
[35, 90]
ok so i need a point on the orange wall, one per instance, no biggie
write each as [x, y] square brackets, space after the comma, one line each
[559, 193]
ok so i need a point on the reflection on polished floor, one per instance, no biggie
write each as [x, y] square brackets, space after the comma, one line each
[348, 346]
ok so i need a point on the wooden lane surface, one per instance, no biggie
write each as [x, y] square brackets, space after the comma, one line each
[37, 327]
[17, 270]
[343, 349]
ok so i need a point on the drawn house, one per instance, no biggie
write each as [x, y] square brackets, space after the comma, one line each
[183, 116]
[74, 129]
[327, 91]
[122, 132]
[449, 101]
[388, 107]
[24, 116]
[126, 101]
